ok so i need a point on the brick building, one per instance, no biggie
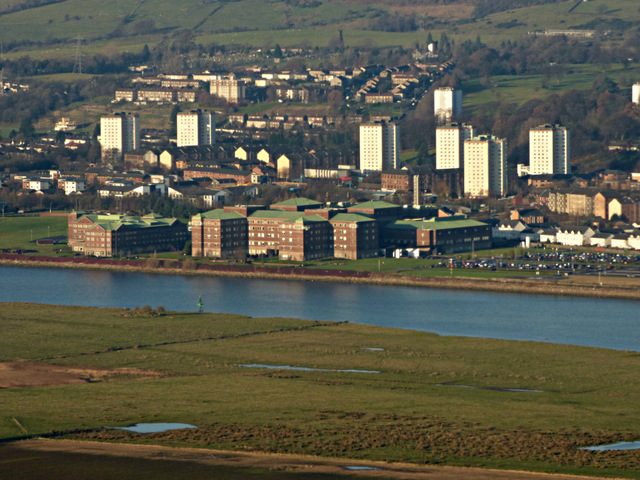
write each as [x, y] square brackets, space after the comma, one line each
[240, 176]
[438, 235]
[354, 236]
[309, 237]
[115, 235]
[219, 234]
[378, 210]
[401, 180]
[300, 234]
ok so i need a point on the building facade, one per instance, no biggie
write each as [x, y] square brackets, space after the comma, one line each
[438, 235]
[635, 93]
[379, 147]
[119, 134]
[450, 145]
[231, 90]
[447, 102]
[114, 235]
[196, 128]
[219, 234]
[354, 236]
[485, 166]
[549, 150]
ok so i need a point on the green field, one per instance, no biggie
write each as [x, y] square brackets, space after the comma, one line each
[22, 232]
[520, 89]
[412, 410]
[259, 23]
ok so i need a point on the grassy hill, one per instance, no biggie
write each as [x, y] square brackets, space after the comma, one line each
[292, 22]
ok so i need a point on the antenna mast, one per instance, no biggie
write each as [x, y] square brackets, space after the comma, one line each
[77, 64]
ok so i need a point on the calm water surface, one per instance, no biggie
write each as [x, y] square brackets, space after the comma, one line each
[576, 321]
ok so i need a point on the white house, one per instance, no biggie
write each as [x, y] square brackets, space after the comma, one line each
[36, 183]
[620, 240]
[634, 241]
[574, 236]
[548, 236]
[601, 239]
[72, 185]
[508, 230]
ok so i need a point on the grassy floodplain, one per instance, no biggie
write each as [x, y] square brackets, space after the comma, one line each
[415, 409]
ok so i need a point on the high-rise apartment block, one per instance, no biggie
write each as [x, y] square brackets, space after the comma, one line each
[119, 134]
[447, 102]
[635, 93]
[450, 145]
[485, 166]
[549, 150]
[379, 146]
[229, 89]
[196, 128]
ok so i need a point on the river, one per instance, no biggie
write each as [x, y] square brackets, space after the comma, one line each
[603, 323]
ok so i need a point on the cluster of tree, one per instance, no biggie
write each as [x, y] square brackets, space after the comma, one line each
[401, 23]
[533, 55]
[168, 207]
[38, 101]
[99, 64]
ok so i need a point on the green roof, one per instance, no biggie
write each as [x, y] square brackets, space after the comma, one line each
[435, 224]
[351, 217]
[310, 219]
[219, 214]
[114, 222]
[290, 216]
[297, 202]
[374, 205]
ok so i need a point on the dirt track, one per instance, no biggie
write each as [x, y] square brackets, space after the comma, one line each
[36, 374]
[282, 463]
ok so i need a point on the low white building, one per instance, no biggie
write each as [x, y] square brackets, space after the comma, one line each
[574, 236]
[601, 239]
[508, 230]
[634, 241]
[72, 185]
[36, 183]
[620, 240]
[548, 236]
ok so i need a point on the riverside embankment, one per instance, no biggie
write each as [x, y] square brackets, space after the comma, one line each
[577, 286]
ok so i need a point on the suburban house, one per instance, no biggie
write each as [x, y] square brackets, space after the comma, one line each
[71, 185]
[530, 216]
[601, 239]
[548, 235]
[620, 240]
[508, 230]
[574, 236]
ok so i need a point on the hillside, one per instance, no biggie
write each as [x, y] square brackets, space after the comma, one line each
[32, 23]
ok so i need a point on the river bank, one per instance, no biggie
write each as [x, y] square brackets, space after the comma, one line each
[582, 286]
[175, 461]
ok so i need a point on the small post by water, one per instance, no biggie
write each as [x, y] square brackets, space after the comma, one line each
[200, 304]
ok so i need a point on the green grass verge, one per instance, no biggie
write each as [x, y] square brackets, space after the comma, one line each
[411, 411]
